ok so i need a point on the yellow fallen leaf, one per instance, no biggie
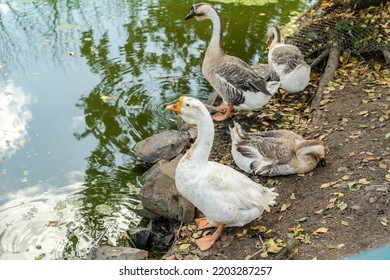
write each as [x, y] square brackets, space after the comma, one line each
[327, 185]
[344, 223]
[364, 181]
[273, 247]
[363, 113]
[52, 223]
[345, 177]
[320, 230]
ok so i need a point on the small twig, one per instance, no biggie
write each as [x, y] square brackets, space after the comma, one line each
[320, 58]
[258, 251]
[173, 77]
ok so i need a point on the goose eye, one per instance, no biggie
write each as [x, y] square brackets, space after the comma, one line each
[188, 105]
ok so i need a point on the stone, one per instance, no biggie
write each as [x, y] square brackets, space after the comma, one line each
[369, 188]
[146, 213]
[382, 189]
[140, 237]
[107, 252]
[165, 145]
[160, 196]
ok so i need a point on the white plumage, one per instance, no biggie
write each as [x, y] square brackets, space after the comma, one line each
[287, 63]
[225, 196]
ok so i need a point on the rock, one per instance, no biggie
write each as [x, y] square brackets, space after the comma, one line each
[382, 189]
[369, 188]
[372, 200]
[140, 237]
[106, 252]
[377, 188]
[164, 145]
[159, 193]
[143, 212]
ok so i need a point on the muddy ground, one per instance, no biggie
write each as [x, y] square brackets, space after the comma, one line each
[333, 211]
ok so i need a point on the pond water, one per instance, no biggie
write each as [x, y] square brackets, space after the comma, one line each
[80, 83]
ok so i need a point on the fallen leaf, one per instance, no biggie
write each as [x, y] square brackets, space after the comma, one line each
[382, 166]
[363, 113]
[292, 196]
[52, 224]
[345, 177]
[364, 181]
[384, 221]
[330, 246]
[284, 207]
[320, 230]
[184, 248]
[134, 107]
[301, 219]
[318, 212]
[106, 98]
[273, 248]
[330, 205]
[368, 159]
[242, 234]
[327, 185]
[342, 205]
[344, 223]
[264, 255]
[354, 186]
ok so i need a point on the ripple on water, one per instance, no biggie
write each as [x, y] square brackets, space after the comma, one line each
[32, 227]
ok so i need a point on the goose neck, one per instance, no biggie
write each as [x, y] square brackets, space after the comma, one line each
[200, 150]
[277, 38]
[215, 46]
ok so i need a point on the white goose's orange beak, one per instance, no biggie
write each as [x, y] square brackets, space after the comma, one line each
[176, 107]
[269, 42]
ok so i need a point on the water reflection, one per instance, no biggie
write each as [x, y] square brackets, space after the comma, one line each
[14, 118]
[35, 221]
[142, 55]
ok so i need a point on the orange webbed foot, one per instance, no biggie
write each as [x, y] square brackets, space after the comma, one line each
[206, 242]
[202, 223]
[220, 116]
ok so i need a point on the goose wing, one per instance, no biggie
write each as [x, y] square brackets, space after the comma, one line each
[234, 77]
[289, 56]
[232, 187]
[276, 149]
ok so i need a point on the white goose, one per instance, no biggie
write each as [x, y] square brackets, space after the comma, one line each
[234, 80]
[225, 196]
[275, 152]
[286, 63]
